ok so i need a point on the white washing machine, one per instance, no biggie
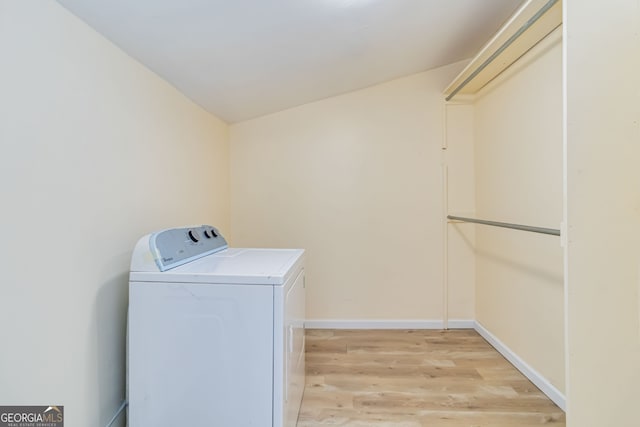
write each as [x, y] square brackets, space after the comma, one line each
[216, 334]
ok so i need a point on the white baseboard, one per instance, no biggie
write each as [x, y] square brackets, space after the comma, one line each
[534, 376]
[387, 324]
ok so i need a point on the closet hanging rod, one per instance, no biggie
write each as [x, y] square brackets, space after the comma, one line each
[502, 48]
[552, 231]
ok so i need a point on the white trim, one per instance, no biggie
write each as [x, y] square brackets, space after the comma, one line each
[387, 324]
[445, 241]
[534, 376]
[565, 202]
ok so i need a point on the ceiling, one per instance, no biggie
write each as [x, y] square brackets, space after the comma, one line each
[241, 59]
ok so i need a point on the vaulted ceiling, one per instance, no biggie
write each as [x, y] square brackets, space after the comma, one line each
[241, 59]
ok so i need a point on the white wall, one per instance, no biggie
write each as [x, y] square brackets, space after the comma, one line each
[518, 161]
[356, 180]
[603, 212]
[96, 151]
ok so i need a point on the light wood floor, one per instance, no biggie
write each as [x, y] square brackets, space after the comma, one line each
[415, 378]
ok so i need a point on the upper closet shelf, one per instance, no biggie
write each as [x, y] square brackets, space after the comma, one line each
[531, 23]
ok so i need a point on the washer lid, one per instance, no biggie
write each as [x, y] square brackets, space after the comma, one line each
[231, 266]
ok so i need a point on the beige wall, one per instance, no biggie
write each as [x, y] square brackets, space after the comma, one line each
[518, 161]
[603, 212]
[459, 159]
[96, 151]
[356, 180]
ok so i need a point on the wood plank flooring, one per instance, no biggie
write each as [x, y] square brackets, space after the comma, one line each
[416, 378]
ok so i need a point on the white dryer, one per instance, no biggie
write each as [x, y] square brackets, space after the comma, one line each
[216, 334]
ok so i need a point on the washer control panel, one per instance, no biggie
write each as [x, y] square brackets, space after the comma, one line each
[177, 246]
